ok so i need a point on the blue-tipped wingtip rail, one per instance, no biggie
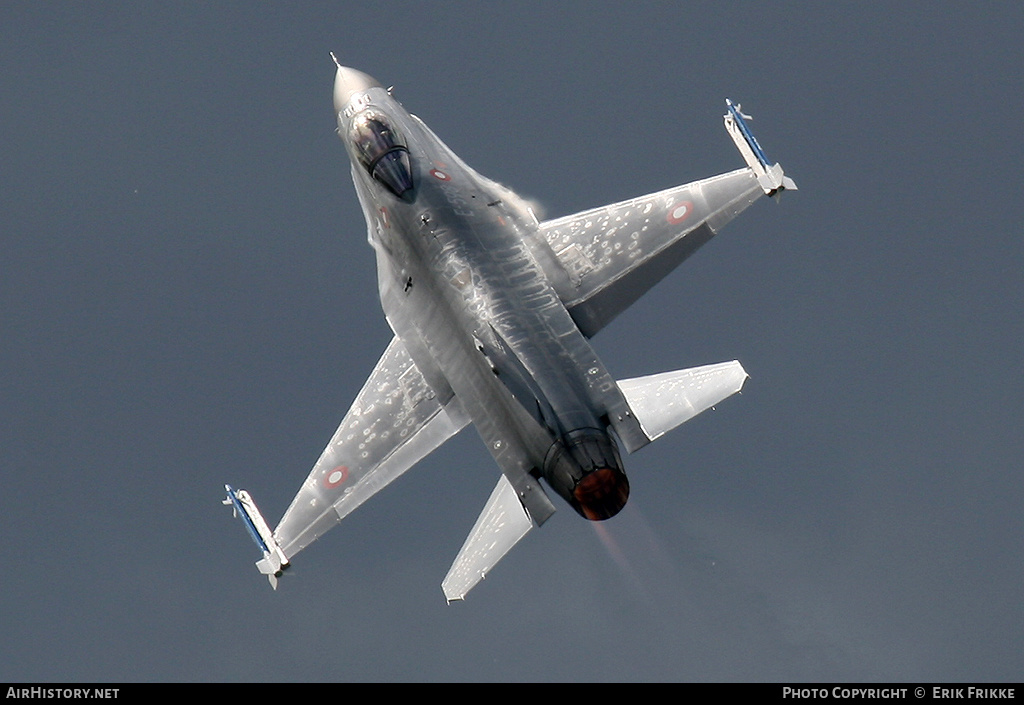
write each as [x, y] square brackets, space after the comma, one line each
[769, 176]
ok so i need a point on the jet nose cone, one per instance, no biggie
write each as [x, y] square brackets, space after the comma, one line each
[349, 81]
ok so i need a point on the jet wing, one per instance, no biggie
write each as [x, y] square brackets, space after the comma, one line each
[395, 421]
[615, 253]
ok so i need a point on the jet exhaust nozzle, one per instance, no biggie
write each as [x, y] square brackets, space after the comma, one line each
[601, 494]
[585, 469]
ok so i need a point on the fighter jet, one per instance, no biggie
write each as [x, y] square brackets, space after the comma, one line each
[492, 312]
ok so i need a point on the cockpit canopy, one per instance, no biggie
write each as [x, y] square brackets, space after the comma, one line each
[381, 149]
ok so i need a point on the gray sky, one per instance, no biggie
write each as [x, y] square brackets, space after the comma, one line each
[187, 298]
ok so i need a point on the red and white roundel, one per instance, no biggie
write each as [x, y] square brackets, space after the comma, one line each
[335, 477]
[679, 212]
[440, 175]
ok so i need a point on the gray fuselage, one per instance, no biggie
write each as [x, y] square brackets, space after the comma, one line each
[462, 285]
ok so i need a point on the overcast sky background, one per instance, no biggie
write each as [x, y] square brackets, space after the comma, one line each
[187, 299]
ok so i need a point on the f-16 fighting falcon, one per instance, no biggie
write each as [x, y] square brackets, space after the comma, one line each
[492, 313]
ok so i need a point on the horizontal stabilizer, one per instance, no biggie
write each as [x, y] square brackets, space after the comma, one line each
[274, 561]
[663, 401]
[769, 176]
[499, 527]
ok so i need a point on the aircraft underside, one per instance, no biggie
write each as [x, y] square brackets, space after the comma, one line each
[492, 313]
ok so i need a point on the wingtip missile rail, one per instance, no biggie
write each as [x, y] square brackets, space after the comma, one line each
[769, 176]
[274, 562]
